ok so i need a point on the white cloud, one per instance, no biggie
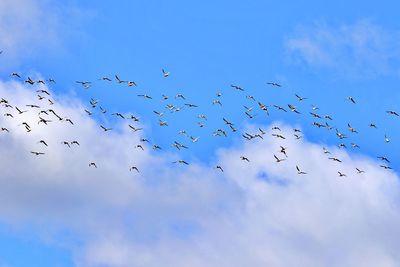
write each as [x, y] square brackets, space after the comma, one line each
[254, 214]
[30, 27]
[362, 49]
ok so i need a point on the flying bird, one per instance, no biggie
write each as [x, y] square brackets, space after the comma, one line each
[220, 168]
[105, 129]
[92, 164]
[351, 99]
[134, 168]
[181, 162]
[274, 84]
[299, 171]
[37, 153]
[165, 73]
[359, 171]
[237, 87]
[244, 158]
[278, 159]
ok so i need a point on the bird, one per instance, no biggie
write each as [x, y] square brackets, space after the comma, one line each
[104, 78]
[248, 109]
[391, 112]
[342, 145]
[283, 151]
[181, 162]
[219, 167]
[118, 115]
[118, 79]
[280, 108]
[180, 96]
[298, 136]
[105, 129]
[201, 116]
[194, 139]
[43, 91]
[160, 114]
[44, 121]
[165, 73]
[340, 135]
[315, 115]
[20, 111]
[263, 107]
[134, 168]
[83, 83]
[66, 143]
[227, 121]
[134, 128]
[249, 115]
[191, 105]
[354, 145]
[162, 123]
[385, 167]
[215, 102]
[69, 120]
[16, 75]
[131, 83]
[43, 142]
[383, 158]
[335, 159]
[351, 99]
[372, 125]
[274, 84]
[279, 136]
[300, 98]
[293, 109]
[33, 106]
[359, 171]
[341, 174]
[145, 96]
[30, 81]
[244, 158]
[37, 153]
[313, 107]
[92, 164]
[298, 170]
[250, 97]
[351, 129]
[278, 159]
[237, 87]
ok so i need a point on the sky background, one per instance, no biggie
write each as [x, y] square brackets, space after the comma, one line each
[325, 51]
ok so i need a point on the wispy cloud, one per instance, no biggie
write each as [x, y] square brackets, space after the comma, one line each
[28, 27]
[360, 50]
[259, 213]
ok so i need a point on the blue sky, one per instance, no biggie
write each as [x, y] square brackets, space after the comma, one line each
[325, 51]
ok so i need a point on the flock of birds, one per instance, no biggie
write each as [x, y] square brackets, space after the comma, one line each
[48, 115]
